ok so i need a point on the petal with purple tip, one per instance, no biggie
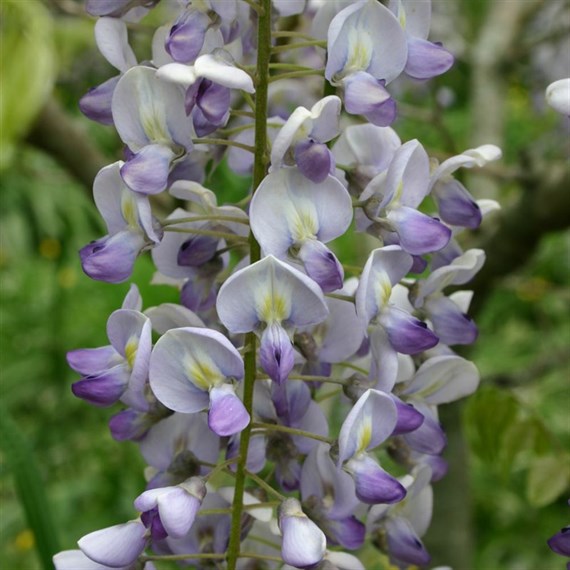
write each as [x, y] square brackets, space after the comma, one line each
[407, 334]
[409, 419]
[449, 322]
[227, 415]
[418, 232]
[456, 206]
[426, 59]
[321, 265]
[147, 172]
[96, 103]
[104, 389]
[404, 544]
[367, 96]
[373, 484]
[314, 160]
[276, 354]
[186, 37]
[91, 361]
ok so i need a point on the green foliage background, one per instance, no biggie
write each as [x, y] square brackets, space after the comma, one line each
[517, 425]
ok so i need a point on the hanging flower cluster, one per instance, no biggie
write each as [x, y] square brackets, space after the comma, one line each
[225, 392]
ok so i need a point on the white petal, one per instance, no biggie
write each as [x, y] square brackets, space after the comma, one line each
[264, 514]
[558, 96]
[224, 73]
[113, 43]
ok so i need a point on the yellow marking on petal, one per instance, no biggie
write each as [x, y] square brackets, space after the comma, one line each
[204, 374]
[303, 225]
[382, 288]
[129, 209]
[360, 51]
[398, 193]
[131, 350]
[274, 308]
[364, 435]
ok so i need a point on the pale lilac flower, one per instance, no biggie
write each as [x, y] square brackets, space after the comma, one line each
[171, 510]
[270, 297]
[150, 119]
[367, 49]
[294, 217]
[406, 521]
[392, 200]
[369, 423]
[189, 372]
[117, 371]
[175, 448]
[302, 139]
[130, 225]
[130, 9]
[425, 59]
[455, 204]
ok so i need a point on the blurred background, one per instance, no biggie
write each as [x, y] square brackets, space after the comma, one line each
[507, 489]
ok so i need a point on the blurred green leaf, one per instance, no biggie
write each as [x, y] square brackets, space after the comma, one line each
[488, 416]
[30, 487]
[547, 479]
[28, 69]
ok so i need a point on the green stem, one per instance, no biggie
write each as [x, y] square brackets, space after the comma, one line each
[198, 556]
[259, 170]
[219, 467]
[264, 485]
[294, 74]
[288, 34]
[290, 430]
[240, 113]
[255, 6]
[297, 45]
[348, 298]
[327, 395]
[225, 142]
[221, 235]
[174, 221]
[353, 367]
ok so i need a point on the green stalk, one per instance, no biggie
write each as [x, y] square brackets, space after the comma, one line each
[259, 171]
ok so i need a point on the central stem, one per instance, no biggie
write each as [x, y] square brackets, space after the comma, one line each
[259, 171]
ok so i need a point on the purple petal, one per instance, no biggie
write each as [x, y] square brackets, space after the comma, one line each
[403, 543]
[115, 546]
[451, 325]
[96, 103]
[367, 96]
[129, 425]
[186, 37]
[276, 354]
[104, 389]
[349, 532]
[456, 206]
[214, 102]
[112, 258]
[321, 265]
[314, 160]
[197, 250]
[227, 415]
[418, 232]
[560, 542]
[426, 59]
[407, 334]
[198, 294]
[178, 509]
[429, 438]
[409, 419]
[373, 484]
[147, 172]
[91, 361]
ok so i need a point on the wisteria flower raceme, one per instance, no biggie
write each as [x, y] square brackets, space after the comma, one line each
[209, 401]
